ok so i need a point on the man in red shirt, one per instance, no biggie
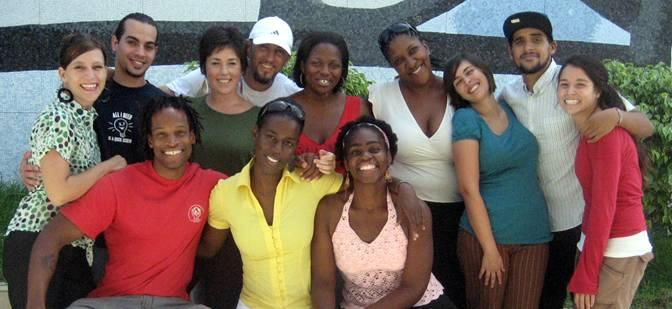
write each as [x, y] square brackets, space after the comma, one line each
[152, 214]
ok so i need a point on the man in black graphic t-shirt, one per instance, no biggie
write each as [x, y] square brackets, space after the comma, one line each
[134, 43]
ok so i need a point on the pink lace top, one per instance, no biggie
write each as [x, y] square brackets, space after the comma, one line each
[372, 270]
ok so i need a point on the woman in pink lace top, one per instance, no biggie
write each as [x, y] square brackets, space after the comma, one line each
[361, 233]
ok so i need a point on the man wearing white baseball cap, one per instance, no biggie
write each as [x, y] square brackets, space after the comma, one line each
[270, 45]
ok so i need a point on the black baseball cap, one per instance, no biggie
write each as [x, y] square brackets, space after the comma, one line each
[522, 20]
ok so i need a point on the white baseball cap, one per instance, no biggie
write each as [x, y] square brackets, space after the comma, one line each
[272, 30]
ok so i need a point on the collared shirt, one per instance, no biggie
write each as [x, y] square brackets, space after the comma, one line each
[66, 128]
[276, 258]
[558, 137]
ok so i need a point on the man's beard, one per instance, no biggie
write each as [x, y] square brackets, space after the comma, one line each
[263, 80]
[535, 69]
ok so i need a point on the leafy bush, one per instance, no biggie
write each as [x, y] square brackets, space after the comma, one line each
[651, 88]
[357, 84]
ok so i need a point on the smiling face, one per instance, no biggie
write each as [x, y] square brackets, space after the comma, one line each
[275, 142]
[85, 77]
[223, 70]
[135, 49]
[366, 156]
[265, 61]
[171, 140]
[576, 92]
[471, 83]
[323, 69]
[531, 51]
[410, 58]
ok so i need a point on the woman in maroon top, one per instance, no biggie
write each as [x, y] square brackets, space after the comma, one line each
[614, 245]
[321, 69]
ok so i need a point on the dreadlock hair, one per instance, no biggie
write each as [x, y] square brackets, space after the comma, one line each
[158, 104]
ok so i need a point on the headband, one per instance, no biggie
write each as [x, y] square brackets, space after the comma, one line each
[368, 124]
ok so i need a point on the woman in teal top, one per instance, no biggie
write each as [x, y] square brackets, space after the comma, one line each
[502, 242]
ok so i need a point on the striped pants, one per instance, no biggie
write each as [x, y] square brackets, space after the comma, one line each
[521, 282]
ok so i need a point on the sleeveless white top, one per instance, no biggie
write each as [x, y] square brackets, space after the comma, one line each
[424, 162]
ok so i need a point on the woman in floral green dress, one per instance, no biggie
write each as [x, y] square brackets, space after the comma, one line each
[64, 147]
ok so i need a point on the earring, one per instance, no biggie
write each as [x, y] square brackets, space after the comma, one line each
[64, 95]
[346, 184]
[301, 79]
[388, 177]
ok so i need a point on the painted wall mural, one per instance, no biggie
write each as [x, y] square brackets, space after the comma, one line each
[622, 29]
[30, 32]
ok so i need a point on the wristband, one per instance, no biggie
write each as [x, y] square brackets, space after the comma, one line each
[620, 116]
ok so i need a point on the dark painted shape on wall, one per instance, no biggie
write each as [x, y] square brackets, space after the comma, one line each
[34, 47]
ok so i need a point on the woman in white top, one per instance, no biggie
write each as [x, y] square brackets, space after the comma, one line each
[416, 106]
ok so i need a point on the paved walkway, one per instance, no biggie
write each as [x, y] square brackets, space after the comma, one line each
[4, 299]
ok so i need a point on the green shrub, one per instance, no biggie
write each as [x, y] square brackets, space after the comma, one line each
[650, 88]
[357, 84]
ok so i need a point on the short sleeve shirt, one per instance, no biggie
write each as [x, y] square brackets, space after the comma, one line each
[508, 179]
[227, 143]
[68, 129]
[276, 259]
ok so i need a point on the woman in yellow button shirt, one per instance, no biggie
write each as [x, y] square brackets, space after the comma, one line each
[269, 209]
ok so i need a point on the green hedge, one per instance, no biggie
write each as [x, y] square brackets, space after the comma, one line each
[650, 88]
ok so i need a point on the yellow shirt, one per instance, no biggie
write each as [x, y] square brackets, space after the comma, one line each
[276, 259]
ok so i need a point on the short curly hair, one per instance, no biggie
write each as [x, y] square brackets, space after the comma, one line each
[219, 37]
[365, 122]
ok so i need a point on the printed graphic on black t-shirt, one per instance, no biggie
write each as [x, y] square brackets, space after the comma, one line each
[118, 122]
[122, 125]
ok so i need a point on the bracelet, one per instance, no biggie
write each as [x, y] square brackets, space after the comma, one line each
[620, 116]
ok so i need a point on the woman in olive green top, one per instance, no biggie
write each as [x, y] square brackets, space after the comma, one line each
[226, 147]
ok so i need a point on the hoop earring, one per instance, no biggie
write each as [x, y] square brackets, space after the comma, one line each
[64, 95]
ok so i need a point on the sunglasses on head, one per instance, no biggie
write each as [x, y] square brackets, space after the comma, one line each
[396, 29]
[280, 106]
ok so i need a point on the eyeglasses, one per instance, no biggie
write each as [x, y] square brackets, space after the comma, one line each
[396, 29]
[279, 106]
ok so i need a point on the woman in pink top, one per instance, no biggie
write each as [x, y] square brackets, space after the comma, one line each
[614, 244]
[362, 234]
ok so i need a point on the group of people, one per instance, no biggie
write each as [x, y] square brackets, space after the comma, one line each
[430, 193]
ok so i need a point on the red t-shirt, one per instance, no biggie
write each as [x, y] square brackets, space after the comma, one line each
[152, 227]
[612, 188]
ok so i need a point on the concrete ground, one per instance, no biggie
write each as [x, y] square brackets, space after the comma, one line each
[4, 298]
